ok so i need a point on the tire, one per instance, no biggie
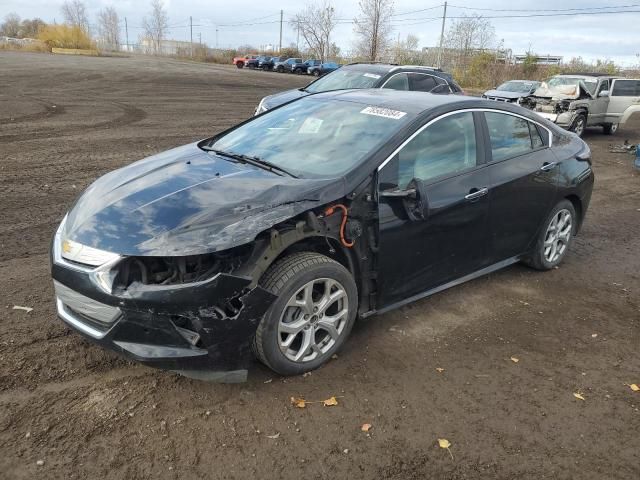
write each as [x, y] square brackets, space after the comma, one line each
[291, 278]
[279, 69]
[610, 128]
[298, 71]
[579, 125]
[540, 258]
[316, 73]
[240, 64]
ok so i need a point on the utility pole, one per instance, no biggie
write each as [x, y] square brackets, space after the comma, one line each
[444, 18]
[281, 15]
[200, 38]
[298, 39]
[216, 37]
[191, 29]
[126, 32]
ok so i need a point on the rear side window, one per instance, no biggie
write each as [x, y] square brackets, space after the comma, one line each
[419, 82]
[510, 135]
[626, 88]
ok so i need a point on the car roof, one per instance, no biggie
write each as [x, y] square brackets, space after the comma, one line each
[406, 101]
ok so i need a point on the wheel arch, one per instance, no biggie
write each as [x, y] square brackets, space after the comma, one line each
[577, 205]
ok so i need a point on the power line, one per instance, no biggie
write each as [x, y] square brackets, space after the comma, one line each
[417, 11]
[547, 9]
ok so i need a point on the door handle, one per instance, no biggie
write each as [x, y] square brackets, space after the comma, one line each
[546, 166]
[476, 193]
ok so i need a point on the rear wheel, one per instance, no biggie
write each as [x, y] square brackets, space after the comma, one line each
[279, 69]
[312, 316]
[316, 73]
[239, 64]
[298, 71]
[555, 237]
[610, 128]
[579, 124]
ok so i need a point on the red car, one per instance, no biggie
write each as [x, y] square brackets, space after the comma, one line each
[240, 61]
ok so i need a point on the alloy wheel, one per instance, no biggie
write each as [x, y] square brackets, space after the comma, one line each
[313, 320]
[558, 235]
[579, 128]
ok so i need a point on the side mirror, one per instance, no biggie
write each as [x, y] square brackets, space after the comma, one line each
[413, 198]
[604, 93]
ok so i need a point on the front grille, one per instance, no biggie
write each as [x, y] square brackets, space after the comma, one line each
[85, 314]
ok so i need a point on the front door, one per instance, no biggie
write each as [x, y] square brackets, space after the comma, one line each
[440, 233]
[598, 107]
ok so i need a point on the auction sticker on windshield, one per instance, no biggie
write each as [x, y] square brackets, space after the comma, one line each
[371, 75]
[384, 112]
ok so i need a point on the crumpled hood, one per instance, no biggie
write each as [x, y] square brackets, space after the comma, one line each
[277, 99]
[504, 94]
[187, 201]
[562, 92]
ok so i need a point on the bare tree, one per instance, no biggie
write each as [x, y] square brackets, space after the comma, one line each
[75, 14]
[11, 26]
[406, 51]
[156, 25]
[31, 28]
[315, 23]
[467, 36]
[373, 28]
[109, 27]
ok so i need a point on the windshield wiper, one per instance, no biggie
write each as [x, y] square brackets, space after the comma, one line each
[255, 161]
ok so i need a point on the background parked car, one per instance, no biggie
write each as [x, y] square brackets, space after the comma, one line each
[322, 69]
[273, 61]
[370, 75]
[242, 61]
[286, 65]
[265, 63]
[298, 67]
[304, 67]
[255, 62]
[512, 91]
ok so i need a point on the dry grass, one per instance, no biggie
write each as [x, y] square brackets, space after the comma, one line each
[65, 36]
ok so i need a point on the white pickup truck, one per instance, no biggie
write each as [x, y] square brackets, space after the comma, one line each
[577, 101]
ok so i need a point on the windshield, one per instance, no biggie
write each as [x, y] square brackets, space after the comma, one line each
[559, 81]
[343, 79]
[516, 87]
[315, 137]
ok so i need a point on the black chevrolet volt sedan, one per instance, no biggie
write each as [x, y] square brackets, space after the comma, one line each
[201, 258]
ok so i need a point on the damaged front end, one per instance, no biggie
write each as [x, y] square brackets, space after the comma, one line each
[193, 315]
[560, 104]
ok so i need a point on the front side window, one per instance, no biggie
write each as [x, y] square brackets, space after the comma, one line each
[400, 81]
[342, 134]
[604, 85]
[444, 148]
[510, 135]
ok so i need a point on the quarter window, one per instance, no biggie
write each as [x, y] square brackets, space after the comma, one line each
[444, 148]
[420, 82]
[510, 136]
[400, 81]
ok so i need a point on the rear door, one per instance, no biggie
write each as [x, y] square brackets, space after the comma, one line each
[524, 176]
[624, 93]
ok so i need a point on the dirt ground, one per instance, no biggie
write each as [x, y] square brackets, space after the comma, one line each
[69, 409]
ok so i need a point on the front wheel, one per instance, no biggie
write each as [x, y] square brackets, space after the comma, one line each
[312, 316]
[579, 124]
[239, 64]
[555, 237]
[610, 128]
[316, 73]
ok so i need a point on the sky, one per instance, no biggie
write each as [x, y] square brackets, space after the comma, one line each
[603, 36]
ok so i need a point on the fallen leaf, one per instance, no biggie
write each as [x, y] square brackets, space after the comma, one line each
[274, 436]
[439, 369]
[365, 427]
[298, 402]
[26, 309]
[330, 402]
[515, 359]
[334, 356]
[444, 443]
[578, 396]
[594, 335]
[306, 374]
[268, 381]
[634, 387]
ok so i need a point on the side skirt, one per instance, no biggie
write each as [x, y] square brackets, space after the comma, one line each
[466, 278]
